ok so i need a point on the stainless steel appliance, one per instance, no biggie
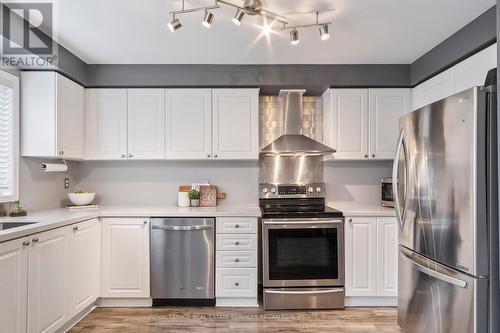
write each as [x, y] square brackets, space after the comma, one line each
[386, 193]
[302, 248]
[182, 261]
[445, 189]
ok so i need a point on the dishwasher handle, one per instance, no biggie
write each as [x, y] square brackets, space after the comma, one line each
[182, 227]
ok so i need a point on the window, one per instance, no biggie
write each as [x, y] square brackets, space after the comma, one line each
[9, 137]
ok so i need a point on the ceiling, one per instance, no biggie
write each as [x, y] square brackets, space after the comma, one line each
[363, 31]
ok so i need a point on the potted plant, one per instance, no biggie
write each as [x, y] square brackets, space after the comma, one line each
[16, 209]
[194, 195]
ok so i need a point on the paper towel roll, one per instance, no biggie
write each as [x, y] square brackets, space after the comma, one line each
[53, 167]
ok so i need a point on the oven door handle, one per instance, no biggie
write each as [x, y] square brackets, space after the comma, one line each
[303, 292]
[308, 222]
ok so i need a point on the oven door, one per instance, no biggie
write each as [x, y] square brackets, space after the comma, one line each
[303, 253]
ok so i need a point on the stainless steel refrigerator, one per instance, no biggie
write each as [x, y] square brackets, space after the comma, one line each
[445, 188]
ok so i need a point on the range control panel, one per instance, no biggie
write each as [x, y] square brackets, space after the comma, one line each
[269, 191]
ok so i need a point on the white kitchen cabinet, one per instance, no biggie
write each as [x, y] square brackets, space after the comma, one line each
[146, 124]
[434, 89]
[14, 285]
[125, 257]
[361, 256]
[345, 119]
[188, 123]
[106, 124]
[387, 256]
[48, 282]
[371, 259]
[472, 71]
[85, 260]
[235, 124]
[386, 106]
[52, 121]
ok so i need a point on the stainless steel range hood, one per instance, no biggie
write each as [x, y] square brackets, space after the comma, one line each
[292, 140]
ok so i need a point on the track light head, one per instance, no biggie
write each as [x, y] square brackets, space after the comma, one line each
[294, 37]
[207, 19]
[238, 16]
[323, 32]
[174, 24]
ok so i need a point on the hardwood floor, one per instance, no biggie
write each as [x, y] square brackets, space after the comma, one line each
[230, 320]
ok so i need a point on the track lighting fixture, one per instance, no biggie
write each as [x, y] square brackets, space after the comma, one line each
[294, 36]
[238, 16]
[207, 19]
[174, 24]
[323, 32]
[251, 7]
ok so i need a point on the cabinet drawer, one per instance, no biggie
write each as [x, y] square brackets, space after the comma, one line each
[236, 225]
[234, 242]
[236, 282]
[236, 259]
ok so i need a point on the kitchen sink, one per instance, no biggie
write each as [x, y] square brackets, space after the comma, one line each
[10, 225]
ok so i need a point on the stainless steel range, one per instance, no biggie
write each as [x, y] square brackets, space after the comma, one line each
[302, 248]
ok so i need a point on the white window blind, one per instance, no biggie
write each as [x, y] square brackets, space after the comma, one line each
[9, 137]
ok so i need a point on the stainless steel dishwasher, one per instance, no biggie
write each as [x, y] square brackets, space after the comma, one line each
[182, 261]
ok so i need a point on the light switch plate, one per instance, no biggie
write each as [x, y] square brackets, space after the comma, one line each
[66, 182]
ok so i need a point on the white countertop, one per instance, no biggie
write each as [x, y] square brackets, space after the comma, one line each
[355, 209]
[59, 217]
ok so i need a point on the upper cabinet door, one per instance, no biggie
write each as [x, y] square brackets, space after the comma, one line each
[106, 124]
[386, 106]
[434, 89]
[347, 129]
[235, 124]
[472, 71]
[146, 123]
[70, 118]
[14, 285]
[188, 124]
[48, 281]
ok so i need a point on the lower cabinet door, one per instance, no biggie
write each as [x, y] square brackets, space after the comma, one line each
[387, 255]
[125, 257]
[236, 282]
[13, 285]
[48, 280]
[85, 259]
[361, 256]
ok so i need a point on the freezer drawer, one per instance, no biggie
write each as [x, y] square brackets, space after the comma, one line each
[433, 298]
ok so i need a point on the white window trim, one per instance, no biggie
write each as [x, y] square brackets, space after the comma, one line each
[13, 81]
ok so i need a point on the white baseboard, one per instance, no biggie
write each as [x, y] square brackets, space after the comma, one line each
[124, 302]
[73, 321]
[371, 301]
[236, 302]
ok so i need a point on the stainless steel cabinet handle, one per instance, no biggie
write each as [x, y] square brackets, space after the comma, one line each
[35, 240]
[350, 220]
[236, 243]
[130, 155]
[215, 156]
[373, 155]
[237, 226]
[123, 156]
[237, 260]
[75, 228]
[366, 155]
[208, 155]
[26, 243]
[182, 227]
[61, 152]
[236, 284]
[145, 222]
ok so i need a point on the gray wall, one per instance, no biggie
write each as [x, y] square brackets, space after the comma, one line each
[472, 38]
[355, 181]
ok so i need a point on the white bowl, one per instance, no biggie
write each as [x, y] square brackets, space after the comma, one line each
[81, 199]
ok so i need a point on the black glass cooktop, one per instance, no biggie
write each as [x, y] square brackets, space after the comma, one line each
[297, 208]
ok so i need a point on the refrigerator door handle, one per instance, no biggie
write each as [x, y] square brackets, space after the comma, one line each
[395, 181]
[434, 273]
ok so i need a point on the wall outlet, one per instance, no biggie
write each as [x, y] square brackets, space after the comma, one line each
[66, 182]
